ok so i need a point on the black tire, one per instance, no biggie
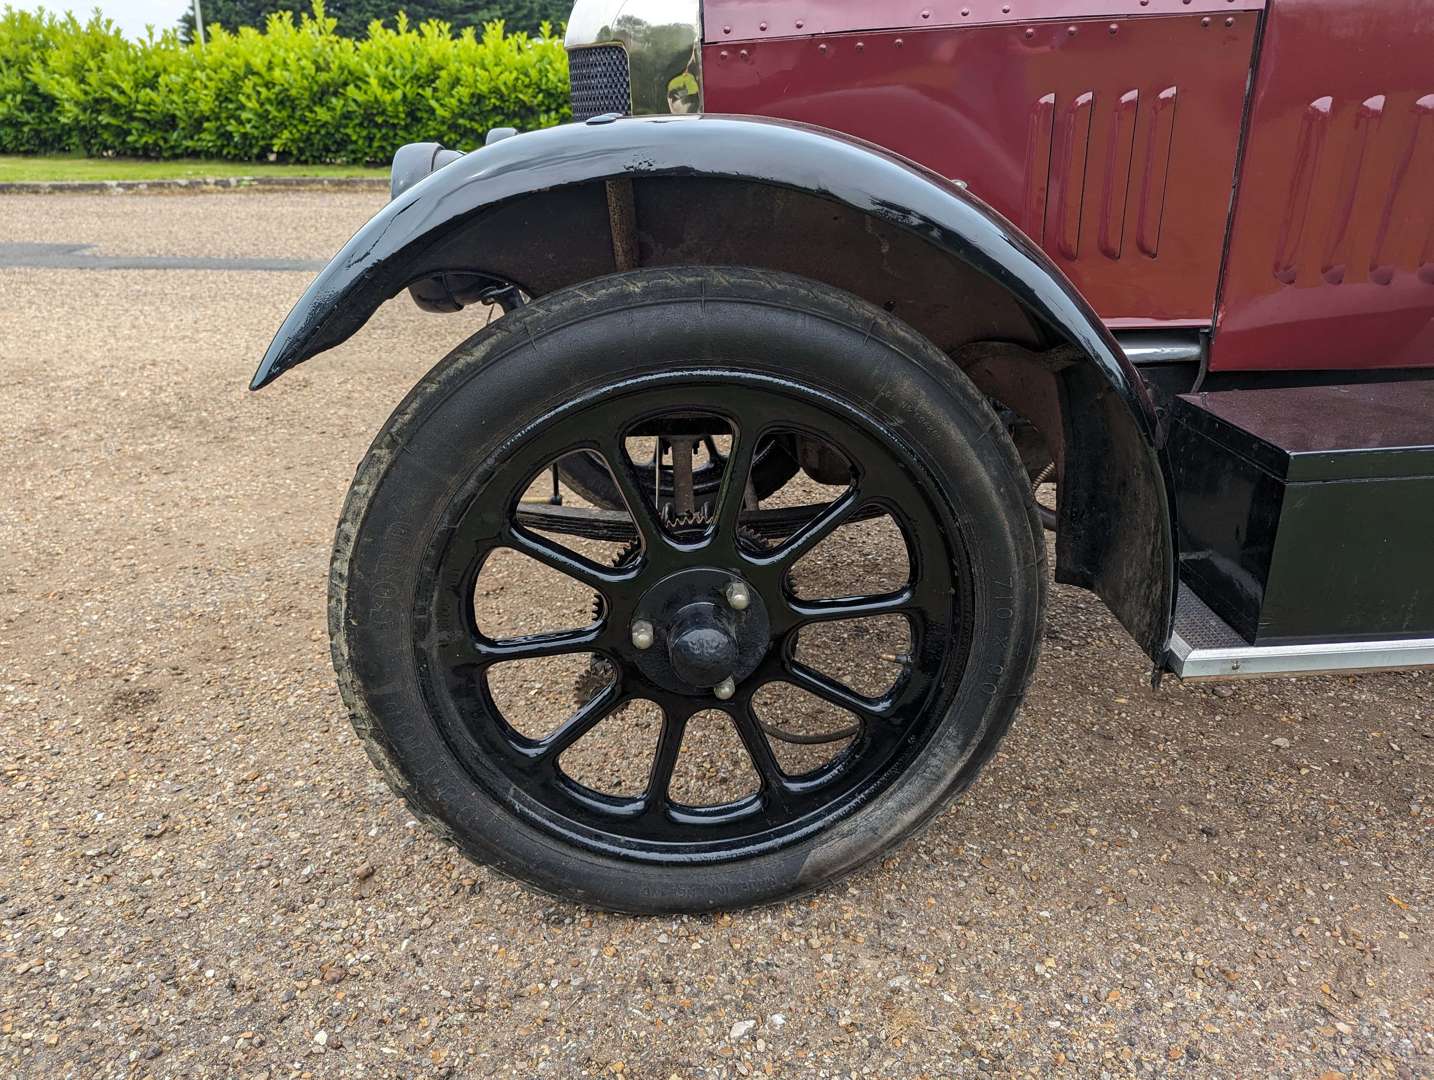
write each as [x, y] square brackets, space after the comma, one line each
[450, 434]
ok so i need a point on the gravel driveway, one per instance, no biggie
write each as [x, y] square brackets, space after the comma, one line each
[201, 874]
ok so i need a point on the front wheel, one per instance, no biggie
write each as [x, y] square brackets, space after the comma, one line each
[771, 691]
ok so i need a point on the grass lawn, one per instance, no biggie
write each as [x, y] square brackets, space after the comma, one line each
[67, 167]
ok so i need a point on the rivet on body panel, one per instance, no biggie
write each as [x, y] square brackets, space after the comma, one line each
[1230, 21]
[1072, 30]
[1205, 21]
[1030, 32]
[1114, 28]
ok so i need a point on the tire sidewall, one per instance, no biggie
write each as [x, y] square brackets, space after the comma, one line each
[451, 432]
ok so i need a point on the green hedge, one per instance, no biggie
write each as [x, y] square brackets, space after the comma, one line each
[291, 92]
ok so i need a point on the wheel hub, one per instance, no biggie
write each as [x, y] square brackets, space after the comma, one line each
[700, 645]
[699, 639]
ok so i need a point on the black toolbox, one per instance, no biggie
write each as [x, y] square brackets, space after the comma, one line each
[1307, 514]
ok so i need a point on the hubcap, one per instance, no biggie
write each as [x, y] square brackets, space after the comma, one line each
[700, 639]
[702, 650]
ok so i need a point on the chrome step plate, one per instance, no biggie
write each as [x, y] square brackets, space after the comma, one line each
[1205, 648]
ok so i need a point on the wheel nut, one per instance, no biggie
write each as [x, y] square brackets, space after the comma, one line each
[725, 689]
[642, 634]
[738, 596]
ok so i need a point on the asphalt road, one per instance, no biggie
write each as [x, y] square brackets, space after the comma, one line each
[201, 874]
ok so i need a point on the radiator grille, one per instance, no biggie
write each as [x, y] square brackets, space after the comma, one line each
[598, 78]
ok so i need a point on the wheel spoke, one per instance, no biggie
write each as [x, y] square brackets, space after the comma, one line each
[852, 607]
[630, 485]
[581, 722]
[749, 727]
[826, 522]
[664, 760]
[831, 691]
[734, 479]
[538, 646]
[559, 558]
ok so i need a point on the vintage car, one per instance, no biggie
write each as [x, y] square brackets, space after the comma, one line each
[804, 268]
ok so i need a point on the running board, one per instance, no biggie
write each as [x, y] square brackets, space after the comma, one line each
[1204, 648]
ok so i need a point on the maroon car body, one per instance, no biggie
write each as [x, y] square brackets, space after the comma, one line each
[1114, 132]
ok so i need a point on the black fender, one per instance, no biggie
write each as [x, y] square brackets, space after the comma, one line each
[552, 208]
